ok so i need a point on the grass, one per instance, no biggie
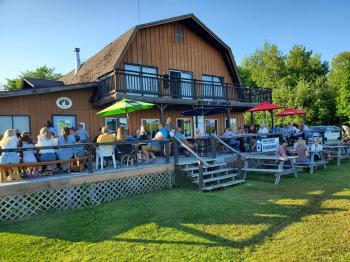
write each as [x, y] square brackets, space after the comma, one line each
[305, 219]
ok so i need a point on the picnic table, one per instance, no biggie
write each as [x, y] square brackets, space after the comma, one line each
[340, 151]
[270, 164]
[313, 163]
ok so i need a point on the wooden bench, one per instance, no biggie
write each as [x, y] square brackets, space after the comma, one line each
[312, 164]
[15, 167]
[279, 169]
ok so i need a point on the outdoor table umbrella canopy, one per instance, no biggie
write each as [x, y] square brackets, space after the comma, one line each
[265, 106]
[291, 112]
[124, 106]
[204, 111]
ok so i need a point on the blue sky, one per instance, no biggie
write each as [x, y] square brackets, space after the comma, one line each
[38, 32]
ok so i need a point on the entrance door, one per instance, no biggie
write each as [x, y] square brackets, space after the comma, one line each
[181, 84]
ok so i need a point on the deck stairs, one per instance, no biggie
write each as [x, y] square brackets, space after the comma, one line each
[215, 174]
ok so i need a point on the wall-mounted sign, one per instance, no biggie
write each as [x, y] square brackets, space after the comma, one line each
[64, 102]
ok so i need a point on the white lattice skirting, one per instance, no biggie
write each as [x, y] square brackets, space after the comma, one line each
[15, 207]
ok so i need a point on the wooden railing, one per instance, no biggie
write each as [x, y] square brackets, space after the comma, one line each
[163, 86]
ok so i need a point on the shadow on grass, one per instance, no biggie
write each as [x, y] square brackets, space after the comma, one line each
[192, 214]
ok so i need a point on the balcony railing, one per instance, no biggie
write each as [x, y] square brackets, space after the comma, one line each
[163, 86]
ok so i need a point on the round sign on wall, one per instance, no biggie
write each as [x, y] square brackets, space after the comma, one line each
[64, 102]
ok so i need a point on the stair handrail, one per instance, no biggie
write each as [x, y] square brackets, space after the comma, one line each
[228, 146]
[240, 156]
[184, 145]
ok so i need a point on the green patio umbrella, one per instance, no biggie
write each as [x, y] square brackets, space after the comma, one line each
[124, 106]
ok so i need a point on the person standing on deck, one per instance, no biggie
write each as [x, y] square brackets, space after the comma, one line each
[83, 134]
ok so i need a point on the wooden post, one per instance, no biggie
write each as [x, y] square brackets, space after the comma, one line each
[213, 147]
[166, 152]
[200, 175]
[239, 165]
[161, 108]
[90, 169]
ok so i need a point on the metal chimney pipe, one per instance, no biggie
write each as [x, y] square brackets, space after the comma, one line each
[78, 64]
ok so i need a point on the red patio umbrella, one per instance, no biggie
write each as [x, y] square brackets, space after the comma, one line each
[291, 112]
[265, 106]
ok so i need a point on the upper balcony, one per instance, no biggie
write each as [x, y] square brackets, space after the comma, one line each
[163, 89]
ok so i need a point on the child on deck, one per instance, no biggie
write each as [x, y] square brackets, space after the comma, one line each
[28, 155]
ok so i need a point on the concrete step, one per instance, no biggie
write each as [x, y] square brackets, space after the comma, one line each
[223, 185]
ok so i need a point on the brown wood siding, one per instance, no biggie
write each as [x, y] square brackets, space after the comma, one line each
[156, 46]
[42, 107]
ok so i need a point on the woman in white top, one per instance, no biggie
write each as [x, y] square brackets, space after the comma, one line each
[45, 138]
[9, 141]
[28, 155]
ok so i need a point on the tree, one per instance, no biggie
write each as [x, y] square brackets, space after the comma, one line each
[298, 80]
[339, 79]
[265, 67]
[43, 72]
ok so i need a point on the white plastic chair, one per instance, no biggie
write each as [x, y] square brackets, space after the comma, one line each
[105, 151]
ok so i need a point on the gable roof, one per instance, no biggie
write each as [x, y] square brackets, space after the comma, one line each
[101, 63]
[108, 58]
[38, 83]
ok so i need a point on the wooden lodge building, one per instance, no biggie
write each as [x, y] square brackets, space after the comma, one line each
[178, 64]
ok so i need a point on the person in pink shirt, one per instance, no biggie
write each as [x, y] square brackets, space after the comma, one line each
[282, 149]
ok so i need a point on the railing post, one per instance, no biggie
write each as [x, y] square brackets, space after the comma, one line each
[213, 147]
[194, 89]
[90, 169]
[239, 165]
[200, 175]
[166, 151]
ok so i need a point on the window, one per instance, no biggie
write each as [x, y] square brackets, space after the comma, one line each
[141, 80]
[232, 123]
[60, 121]
[112, 123]
[212, 87]
[186, 126]
[181, 84]
[150, 125]
[179, 34]
[19, 123]
[211, 126]
[199, 123]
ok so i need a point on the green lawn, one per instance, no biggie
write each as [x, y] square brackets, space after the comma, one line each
[305, 219]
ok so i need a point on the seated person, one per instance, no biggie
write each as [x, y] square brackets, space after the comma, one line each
[9, 141]
[66, 153]
[178, 134]
[105, 136]
[317, 148]
[155, 145]
[282, 149]
[302, 152]
[121, 136]
[228, 136]
[263, 130]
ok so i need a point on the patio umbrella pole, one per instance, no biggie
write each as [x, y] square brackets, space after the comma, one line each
[272, 124]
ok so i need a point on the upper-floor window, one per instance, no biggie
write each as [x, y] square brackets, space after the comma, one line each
[141, 80]
[179, 34]
[212, 87]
